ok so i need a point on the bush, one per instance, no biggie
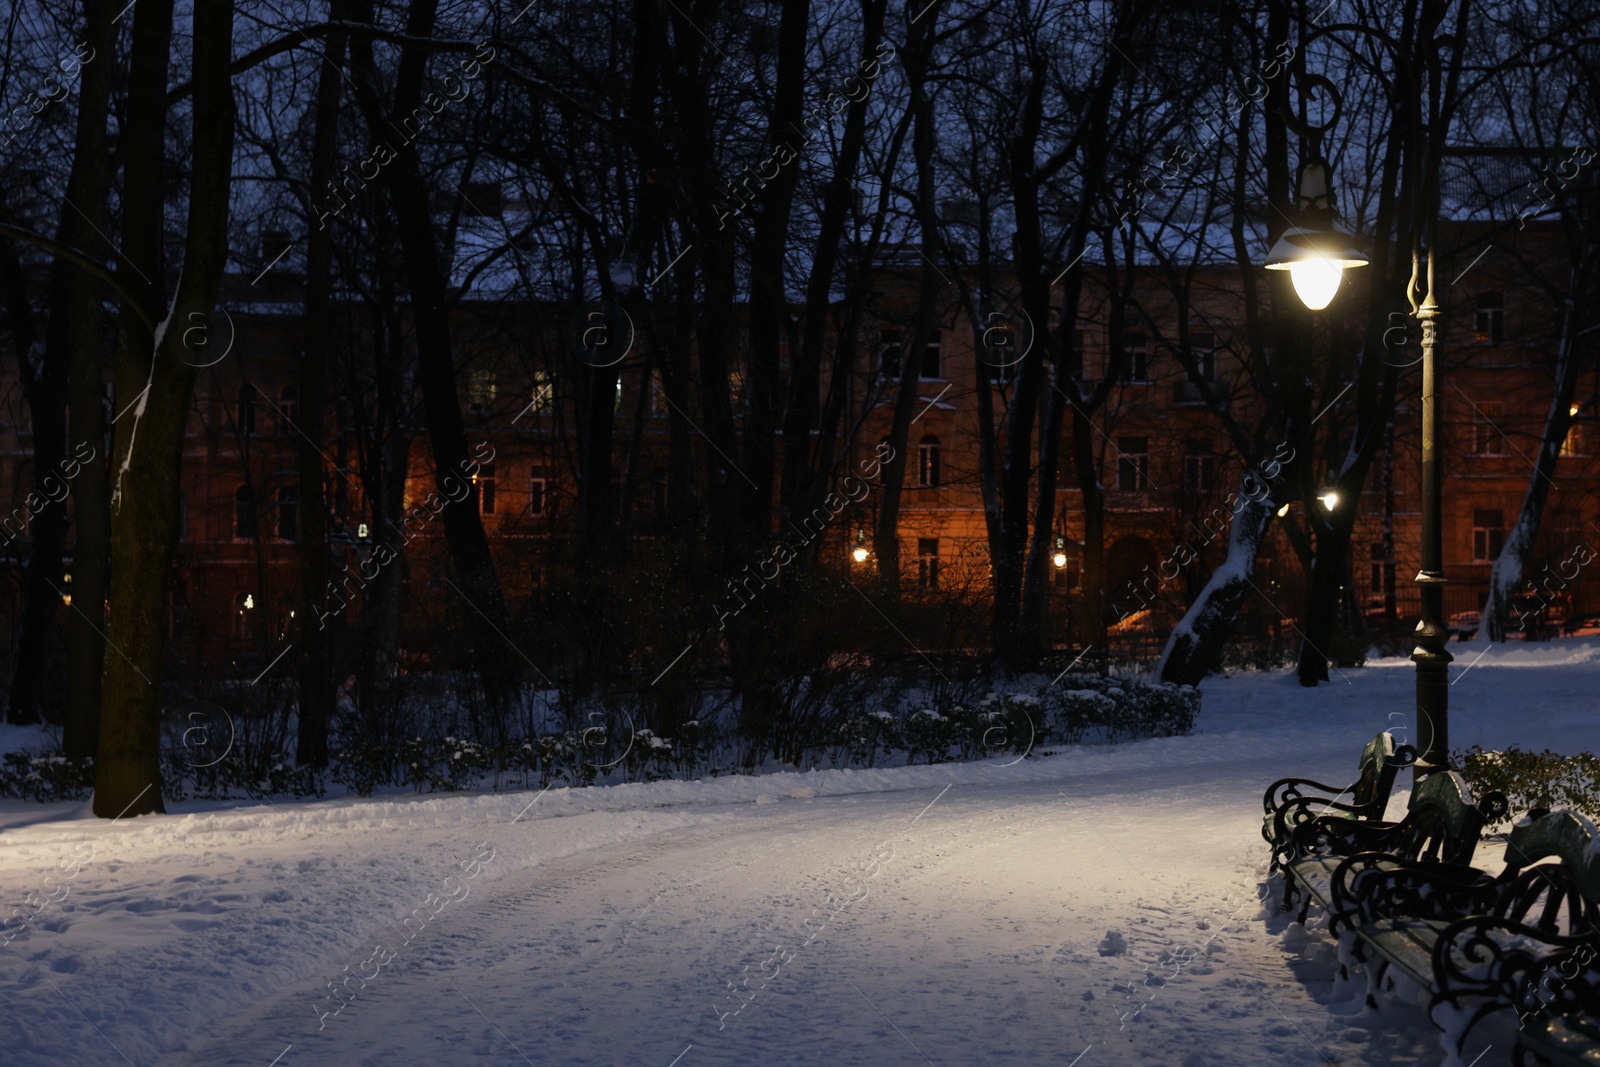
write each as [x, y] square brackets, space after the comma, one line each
[45, 778]
[1534, 779]
[1119, 708]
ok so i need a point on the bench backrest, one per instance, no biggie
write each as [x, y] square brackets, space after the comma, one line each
[1443, 822]
[1540, 892]
[1378, 769]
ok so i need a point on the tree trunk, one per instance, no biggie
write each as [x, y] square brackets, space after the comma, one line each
[1203, 632]
[463, 527]
[75, 303]
[44, 383]
[1507, 572]
[316, 683]
[144, 500]
[924, 142]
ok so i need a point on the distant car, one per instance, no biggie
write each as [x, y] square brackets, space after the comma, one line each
[1464, 624]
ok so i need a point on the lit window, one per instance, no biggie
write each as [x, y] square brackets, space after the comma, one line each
[1199, 467]
[928, 462]
[288, 513]
[244, 617]
[484, 480]
[928, 562]
[480, 390]
[1491, 318]
[1488, 533]
[536, 491]
[244, 513]
[1133, 463]
[1487, 438]
[544, 392]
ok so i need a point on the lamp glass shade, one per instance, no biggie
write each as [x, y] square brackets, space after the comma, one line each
[1316, 281]
[1316, 261]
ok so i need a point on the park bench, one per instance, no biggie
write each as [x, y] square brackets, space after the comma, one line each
[1288, 803]
[1481, 944]
[1442, 825]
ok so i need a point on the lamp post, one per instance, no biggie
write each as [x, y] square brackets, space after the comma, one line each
[1316, 255]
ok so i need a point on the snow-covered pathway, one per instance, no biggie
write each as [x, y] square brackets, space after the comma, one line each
[608, 924]
[964, 928]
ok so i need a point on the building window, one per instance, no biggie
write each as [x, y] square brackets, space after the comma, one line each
[1135, 358]
[928, 462]
[537, 487]
[1199, 467]
[1491, 318]
[1071, 345]
[289, 513]
[544, 393]
[247, 410]
[889, 344]
[244, 513]
[1572, 444]
[484, 480]
[1204, 348]
[928, 562]
[481, 386]
[1133, 463]
[288, 410]
[1487, 440]
[933, 355]
[1381, 574]
[1488, 534]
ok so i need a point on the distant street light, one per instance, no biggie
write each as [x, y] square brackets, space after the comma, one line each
[1330, 499]
[1060, 557]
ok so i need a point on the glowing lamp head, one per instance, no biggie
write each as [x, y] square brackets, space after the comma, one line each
[1330, 499]
[1283, 511]
[1059, 559]
[1316, 261]
[859, 554]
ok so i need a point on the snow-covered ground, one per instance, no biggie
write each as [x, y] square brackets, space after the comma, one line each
[956, 914]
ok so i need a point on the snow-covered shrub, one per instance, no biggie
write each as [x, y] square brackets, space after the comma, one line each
[1533, 779]
[931, 735]
[45, 778]
[1118, 708]
[866, 738]
[363, 767]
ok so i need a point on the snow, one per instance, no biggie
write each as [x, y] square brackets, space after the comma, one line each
[947, 914]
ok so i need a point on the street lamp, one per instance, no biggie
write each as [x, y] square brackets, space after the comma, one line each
[1315, 253]
[1316, 256]
[859, 553]
[1060, 556]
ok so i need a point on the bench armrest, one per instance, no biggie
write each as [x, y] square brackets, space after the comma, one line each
[1515, 964]
[1370, 887]
[1286, 790]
